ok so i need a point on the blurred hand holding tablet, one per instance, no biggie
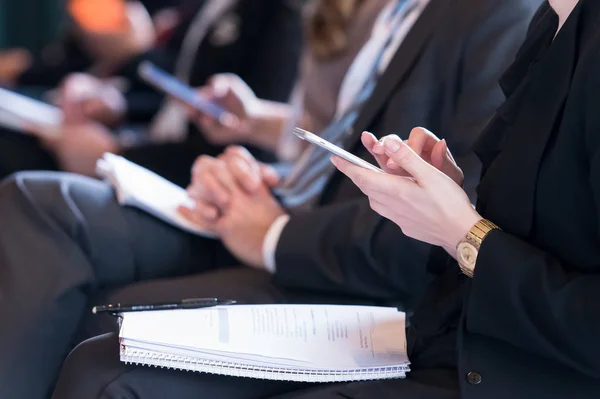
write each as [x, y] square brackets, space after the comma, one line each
[170, 85]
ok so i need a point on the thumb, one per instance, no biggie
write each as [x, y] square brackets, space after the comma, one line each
[219, 86]
[72, 107]
[407, 159]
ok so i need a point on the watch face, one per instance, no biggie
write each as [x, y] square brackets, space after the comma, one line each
[467, 254]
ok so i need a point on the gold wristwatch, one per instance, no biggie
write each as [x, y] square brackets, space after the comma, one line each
[468, 248]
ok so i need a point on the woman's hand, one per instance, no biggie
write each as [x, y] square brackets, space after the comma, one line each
[424, 202]
[425, 144]
[233, 94]
[250, 120]
[96, 100]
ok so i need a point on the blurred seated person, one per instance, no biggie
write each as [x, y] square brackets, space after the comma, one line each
[257, 40]
[104, 33]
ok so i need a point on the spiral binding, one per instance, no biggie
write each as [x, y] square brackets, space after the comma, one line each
[186, 363]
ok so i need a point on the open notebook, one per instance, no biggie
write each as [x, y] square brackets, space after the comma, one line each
[138, 187]
[18, 111]
[312, 343]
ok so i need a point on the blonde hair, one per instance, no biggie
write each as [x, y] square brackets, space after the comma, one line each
[327, 26]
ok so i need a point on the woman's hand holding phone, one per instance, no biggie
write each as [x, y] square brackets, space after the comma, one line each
[423, 199]
[233, 94]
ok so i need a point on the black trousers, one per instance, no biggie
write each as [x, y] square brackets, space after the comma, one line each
[66, 244]
[63, 240]
[93, 369]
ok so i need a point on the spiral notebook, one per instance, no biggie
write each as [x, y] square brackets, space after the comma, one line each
[141, 188]
[306, 343]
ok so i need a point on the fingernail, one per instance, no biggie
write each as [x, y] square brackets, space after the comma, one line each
[392, 144]
[378, 149]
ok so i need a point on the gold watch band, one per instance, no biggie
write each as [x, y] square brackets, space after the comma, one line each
[474, 239]
[480, 230]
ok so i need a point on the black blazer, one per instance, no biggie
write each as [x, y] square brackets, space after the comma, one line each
[531, 321]
[259, 40]
[444, 77]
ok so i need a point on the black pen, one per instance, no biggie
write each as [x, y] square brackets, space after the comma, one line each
[193, 303]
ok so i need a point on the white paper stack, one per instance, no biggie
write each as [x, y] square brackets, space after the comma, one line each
[311, 343]
[138, 187]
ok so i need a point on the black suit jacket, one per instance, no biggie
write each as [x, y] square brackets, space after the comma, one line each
[531, 320]
[444, 77]
[259, 40]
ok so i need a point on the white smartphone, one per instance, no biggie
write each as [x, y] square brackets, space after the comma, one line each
[170, 85]
[314, 139]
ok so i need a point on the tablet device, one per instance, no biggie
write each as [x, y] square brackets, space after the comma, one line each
[173, 87]
[314, 139]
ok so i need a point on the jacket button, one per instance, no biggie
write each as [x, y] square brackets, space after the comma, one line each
[474, 378]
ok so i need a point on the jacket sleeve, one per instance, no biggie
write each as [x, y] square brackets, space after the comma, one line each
[533, 300]
[347, 249]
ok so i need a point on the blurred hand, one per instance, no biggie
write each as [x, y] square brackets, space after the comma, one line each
[77, 147]
[93, 98]
[232, 93]
[79, 142]
[424, 202]
[244, 226]
[165, 22]
[13, 63]
[232, 192]
[425, 144]
[215, 180]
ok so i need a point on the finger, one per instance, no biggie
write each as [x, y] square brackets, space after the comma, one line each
[372, 145]
[269, 175]
[195, 216]
[381, 186]
[248, 178]
[439, 155]
[213, 176]
[421, 141]
[219, 85]
[244, 167]
[215, 190]
[76, 88]
[408, 160]
[206, 210]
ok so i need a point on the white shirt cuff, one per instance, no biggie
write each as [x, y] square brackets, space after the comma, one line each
[271, 241]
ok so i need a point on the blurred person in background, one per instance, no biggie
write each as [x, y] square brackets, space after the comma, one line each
[258, 40]
[89, 32]
[313, 238]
